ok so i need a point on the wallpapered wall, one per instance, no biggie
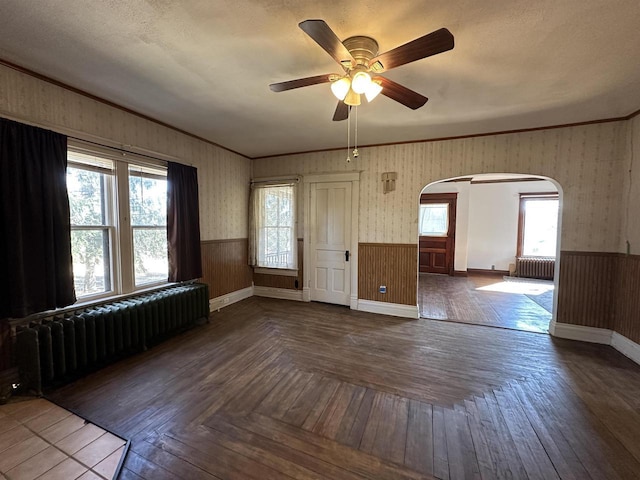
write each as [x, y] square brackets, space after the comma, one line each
[631, 189]
[587, 161]
[223, 177]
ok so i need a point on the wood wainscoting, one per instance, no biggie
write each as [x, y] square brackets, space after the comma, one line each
[601, 290]
[225, 266]
[394, 265]
[586, 289]
[627, 292]
[282, 281]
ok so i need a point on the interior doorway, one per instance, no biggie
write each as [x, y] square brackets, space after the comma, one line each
[437, 220]
[507, 234]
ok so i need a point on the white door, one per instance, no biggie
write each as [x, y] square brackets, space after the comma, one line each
[330, 210]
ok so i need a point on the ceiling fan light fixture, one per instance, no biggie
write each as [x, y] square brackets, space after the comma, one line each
[373, 89]
[361, 80]
[340, 87]
[352, 99]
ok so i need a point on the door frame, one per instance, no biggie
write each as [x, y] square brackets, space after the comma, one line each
[452, 200]
[354, 178]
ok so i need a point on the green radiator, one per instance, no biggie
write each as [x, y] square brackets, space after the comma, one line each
[59, 349]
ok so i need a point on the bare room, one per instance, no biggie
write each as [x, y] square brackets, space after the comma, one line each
[306, 240]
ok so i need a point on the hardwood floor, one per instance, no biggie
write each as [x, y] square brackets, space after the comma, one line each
[276, 389]
[518, 304]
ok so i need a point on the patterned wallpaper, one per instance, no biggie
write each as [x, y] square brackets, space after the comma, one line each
[587, 161]
[631, 190]
[223, 177]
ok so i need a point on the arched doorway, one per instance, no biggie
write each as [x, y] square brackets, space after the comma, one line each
[488, 250]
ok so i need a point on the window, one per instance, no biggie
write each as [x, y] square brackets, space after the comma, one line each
[274, 226]
[538, 225]
[434, 219]
[118, 223]
[148, 205]
[89, 185]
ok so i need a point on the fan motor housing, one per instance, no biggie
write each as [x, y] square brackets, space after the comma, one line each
[363, 49]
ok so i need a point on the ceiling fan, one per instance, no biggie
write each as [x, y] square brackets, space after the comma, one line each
[359, 58]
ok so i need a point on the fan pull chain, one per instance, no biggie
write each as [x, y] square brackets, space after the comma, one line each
[348, 133]
[355, 145]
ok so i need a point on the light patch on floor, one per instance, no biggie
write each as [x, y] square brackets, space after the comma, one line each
[524, 288]
[40, 440]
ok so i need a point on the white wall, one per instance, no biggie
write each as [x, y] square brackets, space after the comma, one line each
[487, 220]
[493, 222]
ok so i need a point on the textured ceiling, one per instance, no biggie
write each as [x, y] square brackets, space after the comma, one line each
[204, 66]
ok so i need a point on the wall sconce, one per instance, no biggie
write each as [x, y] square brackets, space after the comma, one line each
[389, 181]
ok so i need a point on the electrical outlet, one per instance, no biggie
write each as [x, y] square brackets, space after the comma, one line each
[225, 300]
[493, 267]
[383, 289]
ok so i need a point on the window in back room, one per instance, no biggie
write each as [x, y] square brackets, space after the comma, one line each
[538, 225]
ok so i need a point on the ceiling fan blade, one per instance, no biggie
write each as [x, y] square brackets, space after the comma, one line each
[342, 112]
[401, 94]
[302, 82]
[431, 44]
[319, 31]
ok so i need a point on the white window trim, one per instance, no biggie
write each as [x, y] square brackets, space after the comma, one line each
[122, 276]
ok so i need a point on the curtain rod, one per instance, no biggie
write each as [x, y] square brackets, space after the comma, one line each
[92, 139]
[274, 180]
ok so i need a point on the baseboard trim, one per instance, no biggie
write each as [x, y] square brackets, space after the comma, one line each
[281, 293]
[229, 298]
[460, 273]
[626, 346]
[582, 333]
[384, 308]
[482, 271]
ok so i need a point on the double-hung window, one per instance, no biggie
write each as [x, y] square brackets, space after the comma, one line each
[118, 223]
[90, 185]
[538, 225]
[148, 205]
[273, 226]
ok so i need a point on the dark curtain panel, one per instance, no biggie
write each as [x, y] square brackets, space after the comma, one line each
[183, 223]
[36, 272]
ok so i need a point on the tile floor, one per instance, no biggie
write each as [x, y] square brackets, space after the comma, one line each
[39, 440]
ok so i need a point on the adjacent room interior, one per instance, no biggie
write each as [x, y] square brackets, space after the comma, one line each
[487, 251]
[265, 240]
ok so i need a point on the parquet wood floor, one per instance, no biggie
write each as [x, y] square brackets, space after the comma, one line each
[274, 389]
[486, 300]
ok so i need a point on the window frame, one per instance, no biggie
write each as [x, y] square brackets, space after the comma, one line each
[259, 225]
[109, 226]
[524, 197]
[120, 228]
[153, 175]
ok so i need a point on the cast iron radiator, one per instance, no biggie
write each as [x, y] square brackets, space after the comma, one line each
[58, 349]
[535, 267]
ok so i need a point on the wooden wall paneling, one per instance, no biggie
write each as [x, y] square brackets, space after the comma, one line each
[282, 281]
[225, 266]
[586, 289]
[627, 291]
[391, 264]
